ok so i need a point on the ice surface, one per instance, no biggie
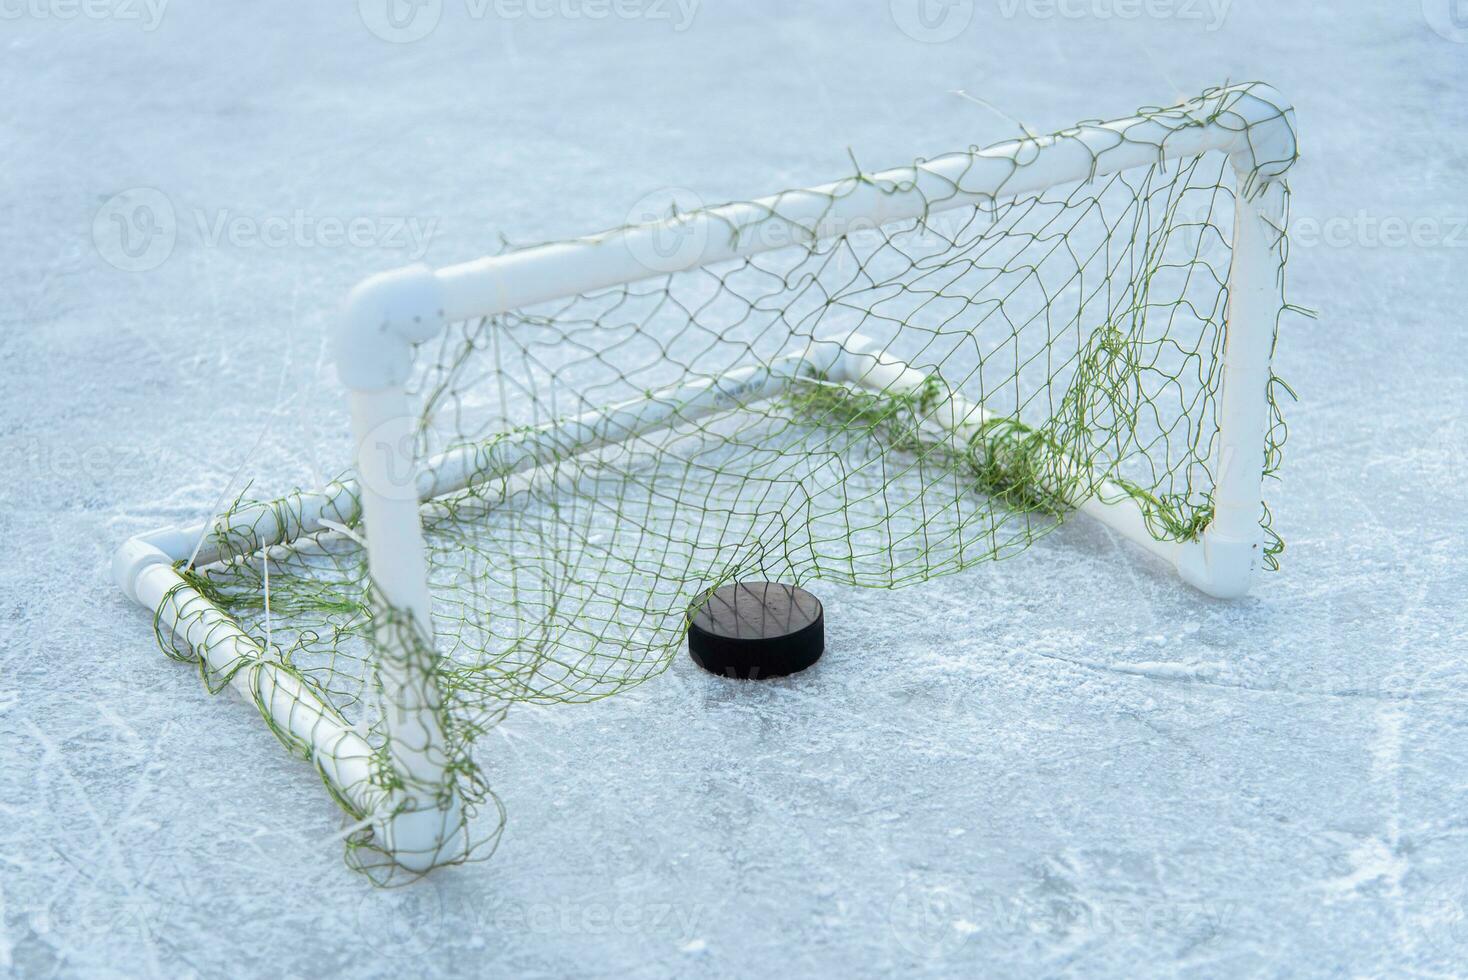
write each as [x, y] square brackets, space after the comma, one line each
[1067, 763]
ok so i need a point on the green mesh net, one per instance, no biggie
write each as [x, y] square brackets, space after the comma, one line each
[1086, 321]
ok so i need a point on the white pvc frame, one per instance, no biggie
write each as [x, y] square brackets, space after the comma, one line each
[389, 313]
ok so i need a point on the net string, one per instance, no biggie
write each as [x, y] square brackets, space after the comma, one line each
[1086, 320]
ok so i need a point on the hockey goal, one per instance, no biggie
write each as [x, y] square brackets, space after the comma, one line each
[875, 381]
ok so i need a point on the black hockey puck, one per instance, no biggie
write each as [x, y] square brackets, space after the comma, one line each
[753, 630]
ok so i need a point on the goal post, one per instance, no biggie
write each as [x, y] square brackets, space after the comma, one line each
[1134, 400]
